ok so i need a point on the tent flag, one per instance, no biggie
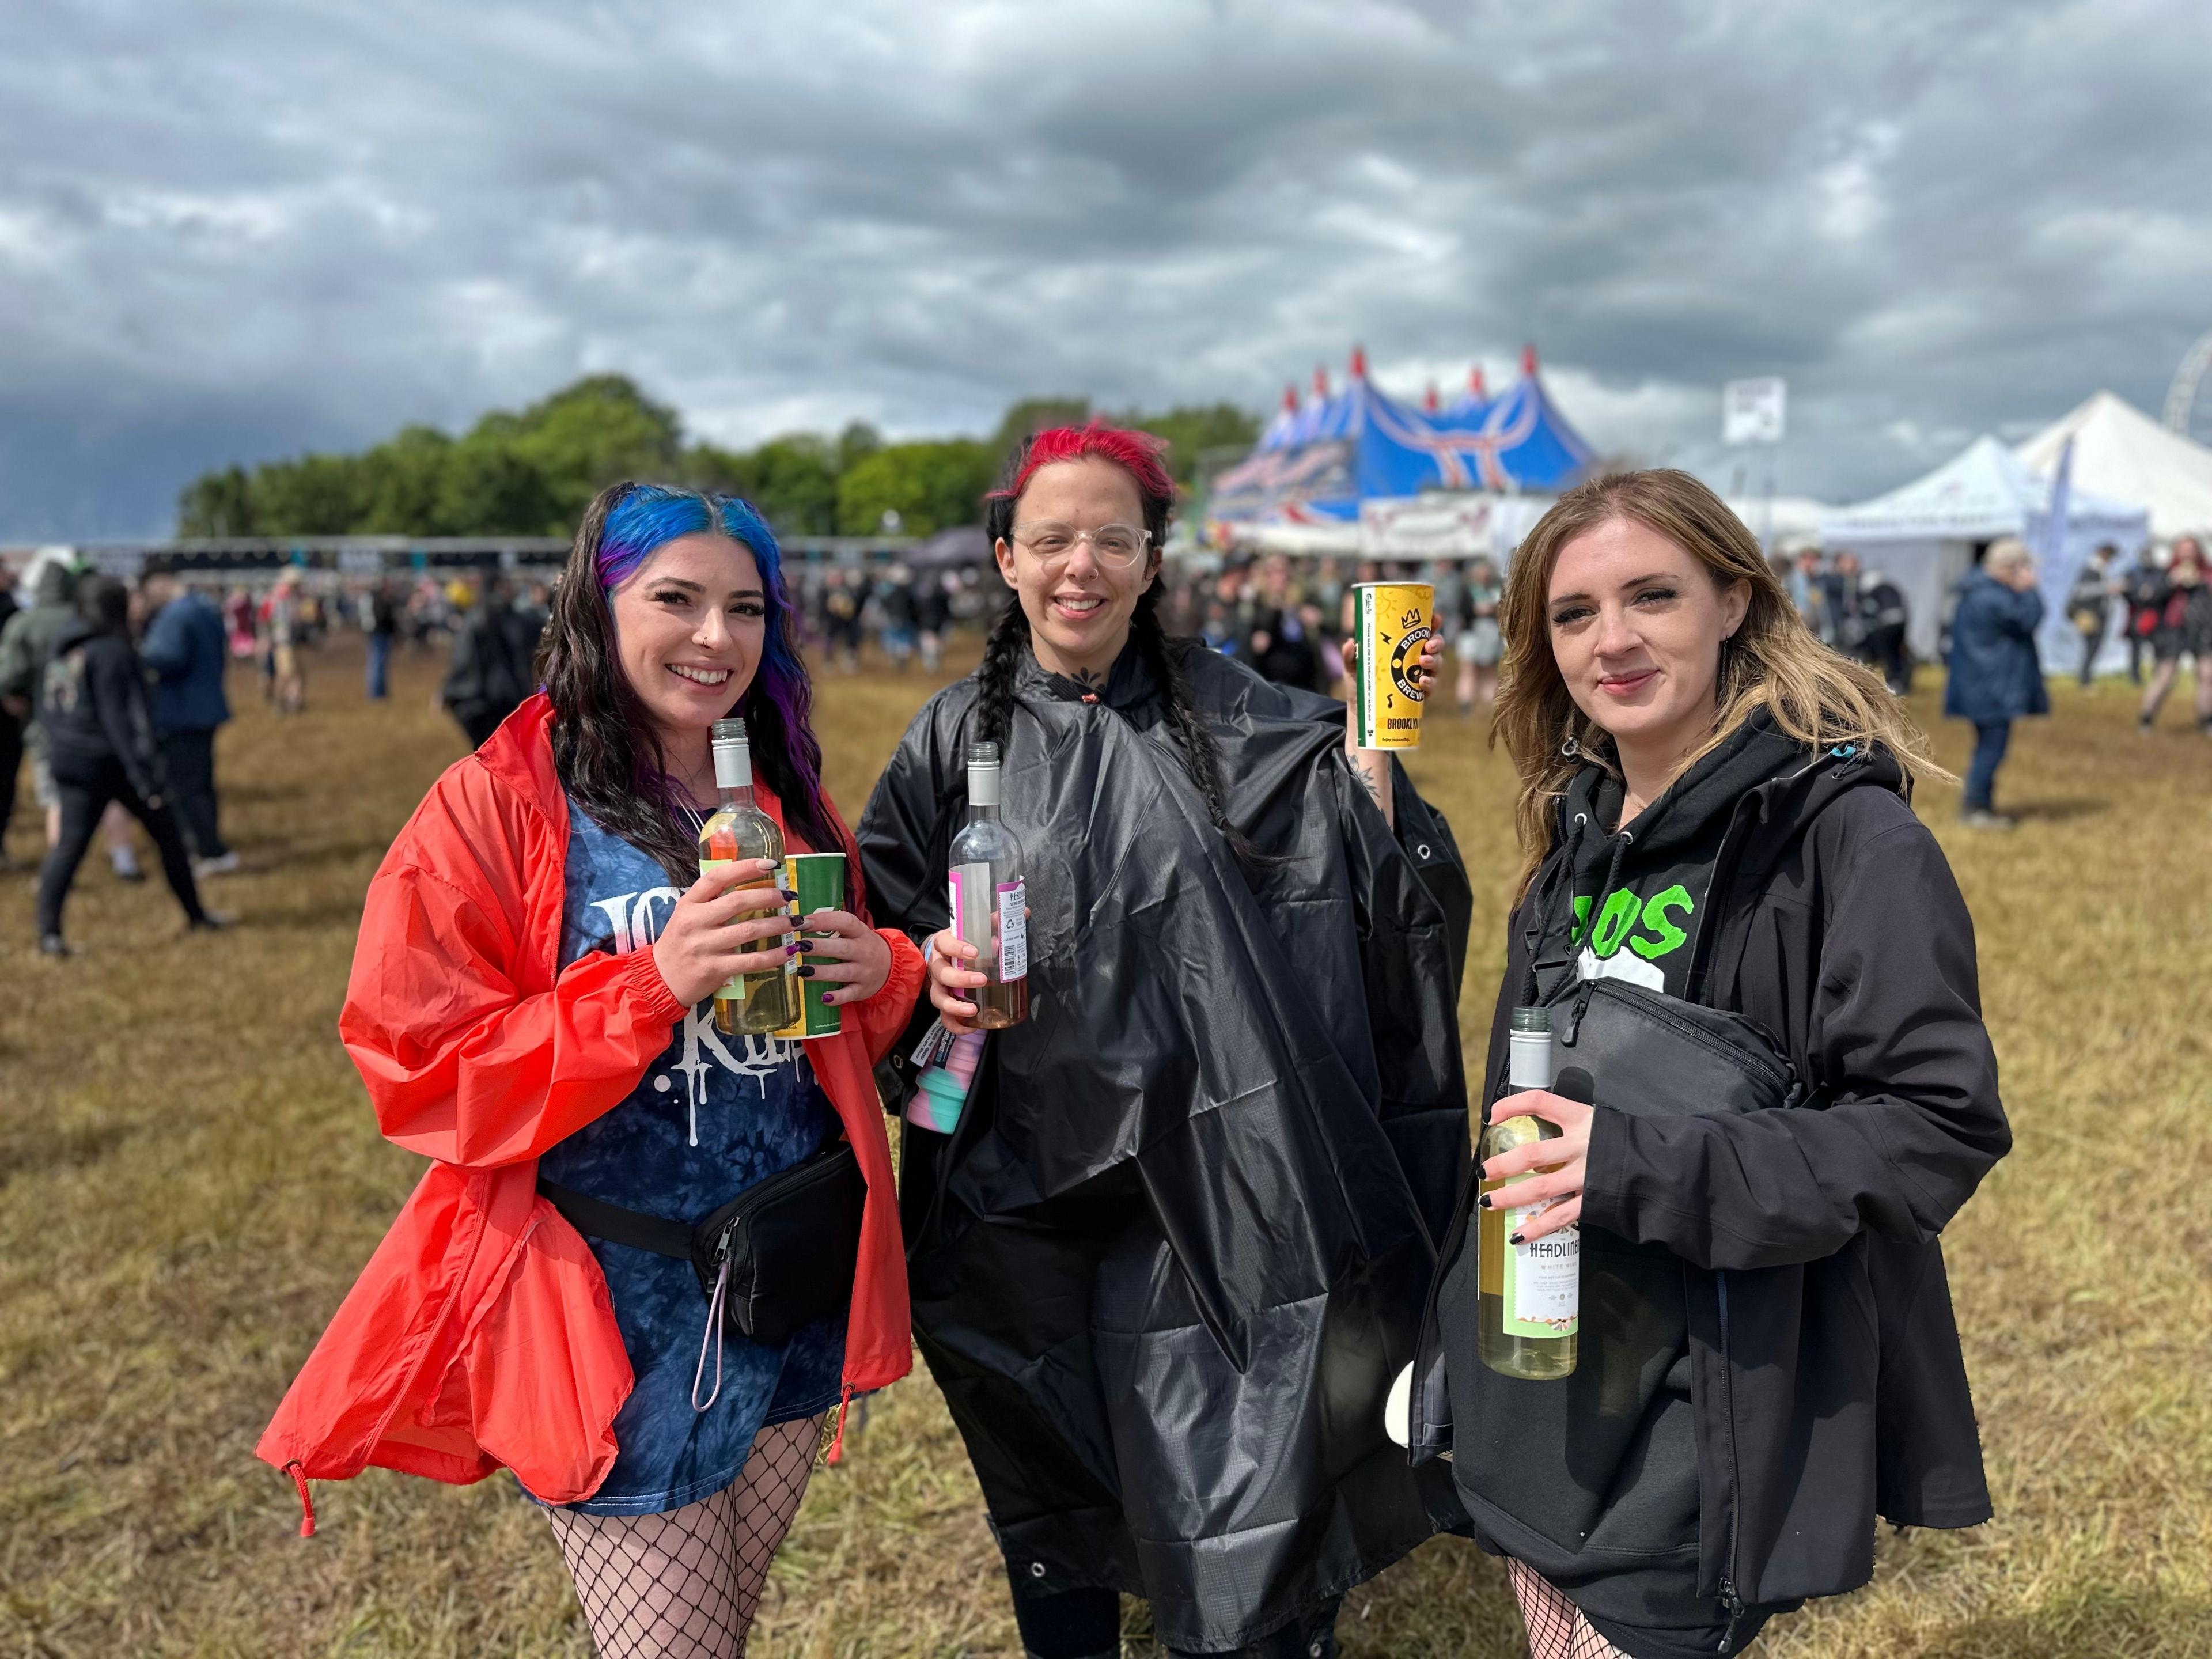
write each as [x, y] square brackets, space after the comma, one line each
[1317, 463]
[2053, 553]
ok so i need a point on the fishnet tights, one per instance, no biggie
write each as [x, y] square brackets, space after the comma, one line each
[1557, 1629]
[686, 1584]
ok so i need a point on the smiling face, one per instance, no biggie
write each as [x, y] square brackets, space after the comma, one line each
[690, 626]
[1636, 624]
[1078, 606]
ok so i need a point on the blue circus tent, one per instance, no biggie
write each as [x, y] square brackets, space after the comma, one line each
[1316, 462]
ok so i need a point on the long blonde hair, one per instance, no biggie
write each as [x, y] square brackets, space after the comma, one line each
[1771, 662]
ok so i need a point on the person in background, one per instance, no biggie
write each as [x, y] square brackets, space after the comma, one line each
[2089, 605]
[238, 623]
[1478, 643]
[1996, 675]
[382, 627]
[2182, 626]
[1280, 647]
[11, 740]
[932, 609]
[2144, 594]
[1809, 591]
[184, 646]
[27, 645]
[895, 601]
[490, 673]
[101, 748]
[841, 614]
[285, 680]
[1869, 617]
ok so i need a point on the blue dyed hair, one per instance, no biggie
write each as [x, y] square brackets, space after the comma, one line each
[634, 520]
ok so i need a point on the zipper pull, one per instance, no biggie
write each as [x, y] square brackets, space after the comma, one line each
[1736, 1611]
[1575, 1015]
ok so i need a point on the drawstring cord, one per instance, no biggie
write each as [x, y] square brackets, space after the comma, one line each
[713, 1334]
[837, 1444]
[306, 1504]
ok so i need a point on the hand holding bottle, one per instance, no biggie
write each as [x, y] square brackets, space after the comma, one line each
[951, 978]
[1564, 1158]
[702, 944]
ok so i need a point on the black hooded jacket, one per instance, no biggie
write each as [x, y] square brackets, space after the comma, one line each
[1768, 1356]
[1168, 1262]
[95, 709]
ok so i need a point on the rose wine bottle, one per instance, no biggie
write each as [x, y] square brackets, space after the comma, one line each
[1529, 1297]
[988, 907]
[766, 1000]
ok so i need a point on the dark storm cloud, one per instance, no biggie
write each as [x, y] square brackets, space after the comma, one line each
[229, 233]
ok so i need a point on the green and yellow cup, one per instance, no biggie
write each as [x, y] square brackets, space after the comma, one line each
[818, 879]
[1392, 622]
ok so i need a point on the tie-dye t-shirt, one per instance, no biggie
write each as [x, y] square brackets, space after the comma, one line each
[712, 1116]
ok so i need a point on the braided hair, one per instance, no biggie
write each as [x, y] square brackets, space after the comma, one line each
[1137, 454]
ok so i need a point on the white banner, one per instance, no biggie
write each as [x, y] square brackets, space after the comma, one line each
[1753, 411]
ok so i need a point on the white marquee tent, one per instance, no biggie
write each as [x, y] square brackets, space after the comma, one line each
[1924, 536]
[2120, 452]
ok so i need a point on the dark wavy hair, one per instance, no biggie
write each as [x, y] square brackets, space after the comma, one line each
[1139, 455]
[607, 751]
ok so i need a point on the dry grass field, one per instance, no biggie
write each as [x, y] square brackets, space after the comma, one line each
[190, 1177]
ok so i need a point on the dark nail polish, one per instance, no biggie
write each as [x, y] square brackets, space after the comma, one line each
[792, 949]
[829, 996]
[805, 973]
[1517, 1239]
[791, 896]
[1484, 1201]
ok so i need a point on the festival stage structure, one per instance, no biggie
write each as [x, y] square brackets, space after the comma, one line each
[1319, 462]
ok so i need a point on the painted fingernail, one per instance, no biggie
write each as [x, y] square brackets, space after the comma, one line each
[1483, 1202]
[793, 949]
[790, 893]
[807, 973]
[1517, 1239]
[829, 996]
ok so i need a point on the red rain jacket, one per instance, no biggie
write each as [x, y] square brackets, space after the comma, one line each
[480, 1335]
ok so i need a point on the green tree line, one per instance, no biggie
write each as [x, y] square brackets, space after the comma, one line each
[532, 472]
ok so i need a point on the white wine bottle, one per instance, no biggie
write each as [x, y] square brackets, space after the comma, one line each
[989, 903]
[766, 1000]
[1528, 1299]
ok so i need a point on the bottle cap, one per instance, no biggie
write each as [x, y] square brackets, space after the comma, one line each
[983, 775]
[1532, 1019]
[733, 755]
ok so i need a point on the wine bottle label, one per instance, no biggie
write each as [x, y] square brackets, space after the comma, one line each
[1543, 1280]
[733, 989]
[971, 911]
[1014, 933]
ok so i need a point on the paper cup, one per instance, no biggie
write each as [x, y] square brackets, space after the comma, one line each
[1392, 622]
[818, 879]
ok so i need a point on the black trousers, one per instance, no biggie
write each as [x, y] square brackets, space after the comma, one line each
[11, 762]
[191, 757]
[83, 799]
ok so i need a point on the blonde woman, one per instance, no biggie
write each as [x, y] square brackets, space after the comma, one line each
[1714, 809]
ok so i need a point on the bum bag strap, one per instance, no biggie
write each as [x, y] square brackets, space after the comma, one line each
[611, 1222]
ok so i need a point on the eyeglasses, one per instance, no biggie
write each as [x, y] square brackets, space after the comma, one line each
[1117, 544]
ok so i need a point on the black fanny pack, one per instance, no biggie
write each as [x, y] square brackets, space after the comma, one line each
[1638, 1051]
[778, 1256]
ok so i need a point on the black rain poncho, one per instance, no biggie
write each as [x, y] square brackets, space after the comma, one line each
[1169, 1263]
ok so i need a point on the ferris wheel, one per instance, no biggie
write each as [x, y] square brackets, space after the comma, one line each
[2181, 395]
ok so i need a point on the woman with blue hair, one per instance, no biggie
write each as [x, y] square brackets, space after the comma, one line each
[531, 1007]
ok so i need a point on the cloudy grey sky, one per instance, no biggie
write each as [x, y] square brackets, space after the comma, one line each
[235, 231]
